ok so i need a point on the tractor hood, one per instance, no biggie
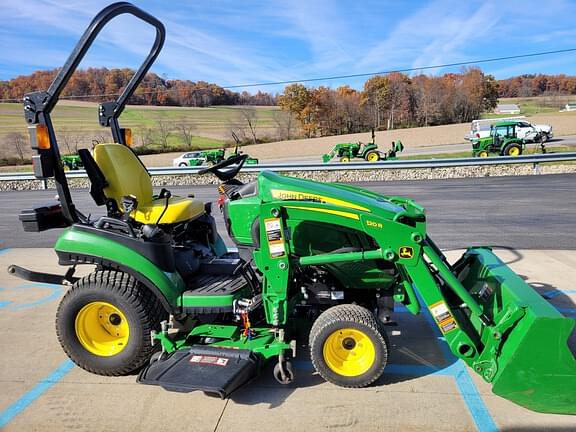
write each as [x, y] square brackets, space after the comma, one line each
[272, 186]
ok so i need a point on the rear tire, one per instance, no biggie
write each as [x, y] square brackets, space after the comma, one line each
[104, 322]
[372, 156]
[348, 346]
[513, 149]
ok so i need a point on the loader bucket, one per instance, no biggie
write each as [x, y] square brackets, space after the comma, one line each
[527, 356]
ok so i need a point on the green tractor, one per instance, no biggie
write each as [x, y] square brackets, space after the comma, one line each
[369, 152]
[503, 140]
[72, 162]
[325, 262]
[237, 152]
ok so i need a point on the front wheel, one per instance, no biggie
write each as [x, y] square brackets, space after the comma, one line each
[483, 153]
[104, 323]
[182, 165]
[344, 159]
[348, 346]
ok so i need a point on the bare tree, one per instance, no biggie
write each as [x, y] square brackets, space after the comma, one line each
[185, 130]
[249, 116]
[164, 131]
[145, 136]
[70, 140]
[285, 123]
[18, 140]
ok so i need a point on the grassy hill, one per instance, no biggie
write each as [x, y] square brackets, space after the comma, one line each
[76, 124]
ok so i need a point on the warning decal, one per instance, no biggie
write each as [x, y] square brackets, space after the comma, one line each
[275, 238]
[443, 317]
[213, 360]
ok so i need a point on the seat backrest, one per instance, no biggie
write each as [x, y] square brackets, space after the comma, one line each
[124, 173]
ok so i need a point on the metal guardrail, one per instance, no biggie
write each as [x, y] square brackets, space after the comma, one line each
[397, 164]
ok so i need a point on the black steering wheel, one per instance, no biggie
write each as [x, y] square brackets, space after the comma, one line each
[227, 169]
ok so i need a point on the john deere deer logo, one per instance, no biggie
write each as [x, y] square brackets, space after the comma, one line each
[406, 252]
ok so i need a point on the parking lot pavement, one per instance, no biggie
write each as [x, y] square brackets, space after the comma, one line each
[424, 388]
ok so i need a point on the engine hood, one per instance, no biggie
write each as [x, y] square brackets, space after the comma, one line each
[272, 186]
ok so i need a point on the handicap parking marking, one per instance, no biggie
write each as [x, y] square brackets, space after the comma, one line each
[39, 389]
[12, 304]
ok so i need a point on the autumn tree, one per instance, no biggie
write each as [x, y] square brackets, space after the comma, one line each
[297, 99]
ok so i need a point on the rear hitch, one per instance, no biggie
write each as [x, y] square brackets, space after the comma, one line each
[33, 276]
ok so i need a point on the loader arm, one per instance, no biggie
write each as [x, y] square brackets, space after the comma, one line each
[490, 318]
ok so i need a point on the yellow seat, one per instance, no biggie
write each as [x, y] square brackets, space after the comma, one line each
[126, 176]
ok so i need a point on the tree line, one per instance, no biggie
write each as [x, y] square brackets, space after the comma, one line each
[537, 85]
[390, 102]
[95, 84]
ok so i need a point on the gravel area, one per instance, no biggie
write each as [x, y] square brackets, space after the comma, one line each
[332, 176]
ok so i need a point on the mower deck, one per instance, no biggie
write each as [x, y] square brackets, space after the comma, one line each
[213, 370]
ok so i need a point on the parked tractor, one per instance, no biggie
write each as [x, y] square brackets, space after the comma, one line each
[72, 162]
[503, 140]
[367, 151]
[237, 152]
[317, 261]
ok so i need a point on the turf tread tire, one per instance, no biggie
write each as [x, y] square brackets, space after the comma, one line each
[348, 315]
[144, 311]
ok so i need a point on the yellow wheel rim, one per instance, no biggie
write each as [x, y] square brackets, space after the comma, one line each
[373, 157]
[514, 151]
[345, 159]
[349, 352]
[102, 329]
[483, 154]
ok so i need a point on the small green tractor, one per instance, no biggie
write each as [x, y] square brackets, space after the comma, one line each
[323, 262]
[237, 152]
[503, 141]
[367, 151]
[72, 162]
[198, 158]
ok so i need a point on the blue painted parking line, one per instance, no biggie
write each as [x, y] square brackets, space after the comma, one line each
[457, 369]
[3, 251]
[55, 291]
[39, 389]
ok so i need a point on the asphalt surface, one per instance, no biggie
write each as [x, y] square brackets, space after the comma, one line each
[531, 212]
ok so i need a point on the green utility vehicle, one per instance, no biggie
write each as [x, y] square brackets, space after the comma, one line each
[168, 299]
[503, 140]
[72, 162]
[197, 158]
[369, 151]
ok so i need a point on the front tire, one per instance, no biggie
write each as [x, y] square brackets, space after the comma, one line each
[348, 346]
[182, 165]
[104, 323]
[344, 159]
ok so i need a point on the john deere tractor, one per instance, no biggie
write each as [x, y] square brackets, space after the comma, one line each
[503, 141]
[168, 299]
[367, 151]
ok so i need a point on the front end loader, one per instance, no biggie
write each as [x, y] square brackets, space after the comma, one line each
[168, 299]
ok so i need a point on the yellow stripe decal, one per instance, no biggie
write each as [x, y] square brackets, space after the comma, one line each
[335, 212]
[303, 196]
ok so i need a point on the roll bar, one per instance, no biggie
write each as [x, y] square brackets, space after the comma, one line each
[39, 105]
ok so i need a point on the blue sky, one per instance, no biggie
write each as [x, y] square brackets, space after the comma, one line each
[241, 41]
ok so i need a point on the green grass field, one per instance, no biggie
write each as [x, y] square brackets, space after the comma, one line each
[77, 124]
[530, 106]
